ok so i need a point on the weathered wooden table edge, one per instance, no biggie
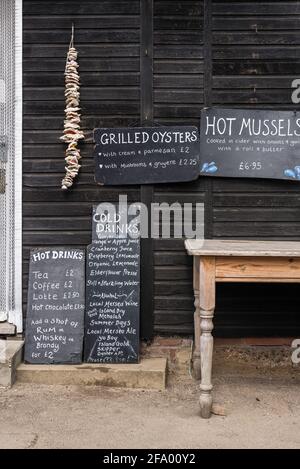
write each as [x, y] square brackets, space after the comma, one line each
[211, 247]
[231, 261]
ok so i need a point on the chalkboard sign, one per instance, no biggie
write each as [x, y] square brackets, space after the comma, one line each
[250, 143]
[146, 156]
[113, 291]
[56, 302]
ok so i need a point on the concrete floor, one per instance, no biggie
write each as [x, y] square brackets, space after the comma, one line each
[262, 412]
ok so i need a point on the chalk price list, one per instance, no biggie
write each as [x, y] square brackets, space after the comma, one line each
[53, 333]
[43, 289]
[154, 164]
[55, 308]
[250, 143]
[144, 155]
[112, 301]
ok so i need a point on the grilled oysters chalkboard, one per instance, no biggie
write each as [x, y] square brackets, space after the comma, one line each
[56, 302]
[250, 143]
[146, 155]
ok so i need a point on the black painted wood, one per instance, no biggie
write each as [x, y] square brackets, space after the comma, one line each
[207, 35]
[253, 66]
[146, 119]
[178, 94]
[231, 54]
[108, 42]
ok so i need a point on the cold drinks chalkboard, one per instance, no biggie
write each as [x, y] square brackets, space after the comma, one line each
[146, 156]
[113, 289]
[250, 143]
[56, 302]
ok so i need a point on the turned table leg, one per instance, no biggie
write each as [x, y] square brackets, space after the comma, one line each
[197, 332]
[207, 289]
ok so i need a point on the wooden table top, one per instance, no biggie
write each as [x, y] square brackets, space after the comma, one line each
[236, 247]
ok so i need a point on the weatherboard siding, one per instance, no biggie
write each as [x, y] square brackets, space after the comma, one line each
[248, 58]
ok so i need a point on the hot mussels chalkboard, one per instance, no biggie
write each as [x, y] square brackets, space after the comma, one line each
[56, 302]
[113, 287]
[146, 155]
[250, 143]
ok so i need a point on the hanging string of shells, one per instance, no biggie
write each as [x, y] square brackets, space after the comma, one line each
[72, 133]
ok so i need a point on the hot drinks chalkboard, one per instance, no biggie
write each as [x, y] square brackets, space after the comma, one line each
[113, 289]
[56, 302]
[250, 143]
[146, 155]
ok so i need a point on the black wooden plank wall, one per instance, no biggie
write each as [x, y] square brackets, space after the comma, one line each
[255, 56]
[178, 99]
[107, 35]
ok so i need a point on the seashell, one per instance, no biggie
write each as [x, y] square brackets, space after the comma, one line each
[73, 102]
[70, 92]
[74, 79]
[73, 109]
[71, 125]
[289, 173]
[72, 133]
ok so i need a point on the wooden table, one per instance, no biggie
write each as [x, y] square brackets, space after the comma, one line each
[231, 261]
